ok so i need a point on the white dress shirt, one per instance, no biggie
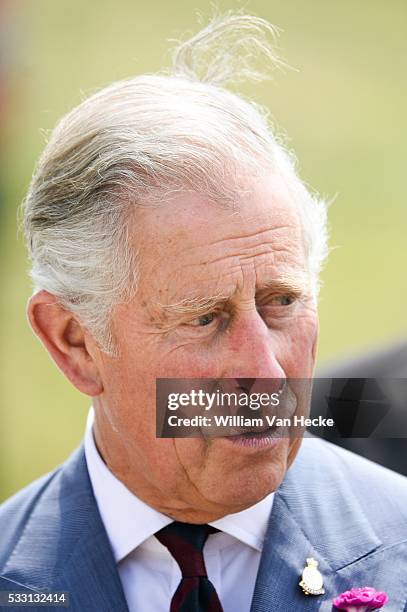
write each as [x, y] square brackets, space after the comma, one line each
[148, 572]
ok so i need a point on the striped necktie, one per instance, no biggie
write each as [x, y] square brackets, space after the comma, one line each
[195, 592]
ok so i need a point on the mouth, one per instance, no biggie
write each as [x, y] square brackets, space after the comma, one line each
[259, 439]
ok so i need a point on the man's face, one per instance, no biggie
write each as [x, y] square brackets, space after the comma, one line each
[222, 294]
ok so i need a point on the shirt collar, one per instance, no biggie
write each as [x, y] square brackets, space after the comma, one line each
[129, 521]
[250, 525]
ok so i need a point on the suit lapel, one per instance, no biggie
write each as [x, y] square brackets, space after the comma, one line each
[284, 556]
[82, 562]
[315, 514]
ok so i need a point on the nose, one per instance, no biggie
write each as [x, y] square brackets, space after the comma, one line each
[254, 351]
[246, 383]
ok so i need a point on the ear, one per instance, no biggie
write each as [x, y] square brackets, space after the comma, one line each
[66, 341]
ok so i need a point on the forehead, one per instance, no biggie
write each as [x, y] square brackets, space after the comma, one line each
[191, 243]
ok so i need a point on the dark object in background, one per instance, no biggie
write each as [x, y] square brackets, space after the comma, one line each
[384, 363]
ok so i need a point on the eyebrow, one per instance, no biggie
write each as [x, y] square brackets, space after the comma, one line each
[194, 305]
[297, 287]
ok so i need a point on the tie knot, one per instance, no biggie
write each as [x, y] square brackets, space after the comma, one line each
[185, 542]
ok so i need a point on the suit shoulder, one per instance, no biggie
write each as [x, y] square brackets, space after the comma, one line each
[380, 491]
[26, 497]
[318, 452]
[361, 468]
[16, 510]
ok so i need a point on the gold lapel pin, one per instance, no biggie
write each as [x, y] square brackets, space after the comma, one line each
[312, 582]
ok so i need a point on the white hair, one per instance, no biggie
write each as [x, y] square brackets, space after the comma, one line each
[135, 142]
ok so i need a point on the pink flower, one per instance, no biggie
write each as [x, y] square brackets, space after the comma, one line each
[360, 600]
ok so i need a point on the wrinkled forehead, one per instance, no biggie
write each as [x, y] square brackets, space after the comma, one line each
[190, 242]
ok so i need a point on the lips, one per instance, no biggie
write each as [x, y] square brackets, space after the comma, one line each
[255, 433]
[257, 441]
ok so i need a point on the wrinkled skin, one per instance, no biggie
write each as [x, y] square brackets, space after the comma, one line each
[263, 325]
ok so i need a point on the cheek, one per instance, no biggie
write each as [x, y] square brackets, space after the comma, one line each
[300, 347]
[187, 360]
[128, 396]
[191, 453]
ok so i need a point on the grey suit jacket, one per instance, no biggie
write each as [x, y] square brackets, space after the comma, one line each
[346, 512]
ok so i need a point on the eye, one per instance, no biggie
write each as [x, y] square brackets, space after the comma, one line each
[282, 300]
[205, 319]
[212, 321]
[277, 307]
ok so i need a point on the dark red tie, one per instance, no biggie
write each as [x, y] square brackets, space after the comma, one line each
[195, 592]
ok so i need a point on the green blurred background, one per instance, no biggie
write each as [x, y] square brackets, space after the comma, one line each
[343, 110]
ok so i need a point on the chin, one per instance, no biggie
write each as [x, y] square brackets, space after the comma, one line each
[248, 486]
[238, 475]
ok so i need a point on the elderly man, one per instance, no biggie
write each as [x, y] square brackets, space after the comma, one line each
[170, 237]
